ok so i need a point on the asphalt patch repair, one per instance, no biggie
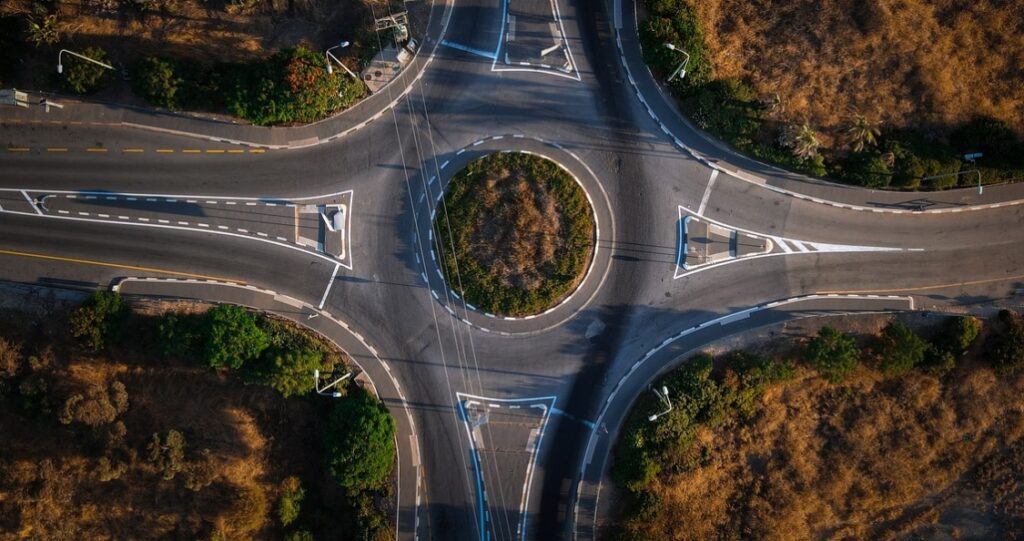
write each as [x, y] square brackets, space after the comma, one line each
[516, 234]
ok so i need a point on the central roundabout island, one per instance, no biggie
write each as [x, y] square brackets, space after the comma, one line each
[516, 234]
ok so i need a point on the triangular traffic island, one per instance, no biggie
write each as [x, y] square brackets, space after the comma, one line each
[703, 243]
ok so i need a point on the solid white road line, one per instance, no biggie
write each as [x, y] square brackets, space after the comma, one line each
[707, 192]
[32, 203]
[330, 283]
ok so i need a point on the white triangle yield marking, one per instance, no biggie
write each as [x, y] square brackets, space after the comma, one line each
[826, 247]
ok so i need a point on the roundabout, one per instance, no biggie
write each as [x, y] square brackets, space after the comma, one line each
[522, 300]
[517, 234]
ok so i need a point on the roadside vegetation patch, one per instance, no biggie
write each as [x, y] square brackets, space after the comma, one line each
[840, 88]
[891, 433]
[516, 233]
[157, 419]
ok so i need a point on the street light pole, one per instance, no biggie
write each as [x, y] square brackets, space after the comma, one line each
[60, 65]
[980, 188]
[328, 57]
[322, 391]
[681, 70]
[663, 396]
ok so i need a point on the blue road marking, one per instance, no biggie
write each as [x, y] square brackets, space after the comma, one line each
[469, 50]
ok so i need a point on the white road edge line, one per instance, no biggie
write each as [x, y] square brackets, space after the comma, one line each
[330, 283]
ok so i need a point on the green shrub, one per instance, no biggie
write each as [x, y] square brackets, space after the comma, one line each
[180, 335]
[359, 440]
[1005, 347]
[158, 81]
[833, 354]
[866, 169]
[167, 453]
[957, 334]
[727, 108]
[900, 349]
[299, 535]
[289, 372]
[291, 86]
[994, 138]
[84, 77]
[290, 504]
[100, 320]
[232, 336]
[674, 21]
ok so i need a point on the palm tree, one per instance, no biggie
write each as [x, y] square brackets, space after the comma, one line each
[803, 141]
[861, 132]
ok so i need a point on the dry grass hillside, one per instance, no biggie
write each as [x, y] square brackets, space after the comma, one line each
[872, 460]
[919, 63]
[131, 444]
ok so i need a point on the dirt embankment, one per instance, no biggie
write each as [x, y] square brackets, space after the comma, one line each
[928, 64]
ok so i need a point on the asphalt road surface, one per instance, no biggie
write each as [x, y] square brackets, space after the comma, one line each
[505, 425]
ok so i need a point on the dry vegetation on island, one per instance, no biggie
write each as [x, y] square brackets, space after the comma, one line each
[882, 435]
[516, 234]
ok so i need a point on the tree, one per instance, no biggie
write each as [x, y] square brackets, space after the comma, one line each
[291, 86]
[82, 76]
[168, 453]
[98, 406]
[42, 26]
[180, 334]
[290, 372]
[802, 141]
[360, 442]
[100, 320]
[158, 81]
[900, 349]
[1006, 347]
[861, 132]
[290, 505]
[833, 354]
[232, 336]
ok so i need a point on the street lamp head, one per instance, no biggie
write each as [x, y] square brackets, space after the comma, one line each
[664, 390]
[652, 418]
[60, 68]
[316, 374]
[330, 68]
[336, 394]
[343, 44]
[670, 46]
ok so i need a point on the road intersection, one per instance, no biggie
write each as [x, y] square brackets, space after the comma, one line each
[236, 232]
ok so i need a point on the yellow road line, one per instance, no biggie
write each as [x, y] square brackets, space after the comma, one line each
[96, 149]
[133, 150]
[165, 151]
[925, 288]
[236, 151]
[57, 149]
[191, 151]
[115, 265]
[18, 149]
[215, 151]
[256, 151]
